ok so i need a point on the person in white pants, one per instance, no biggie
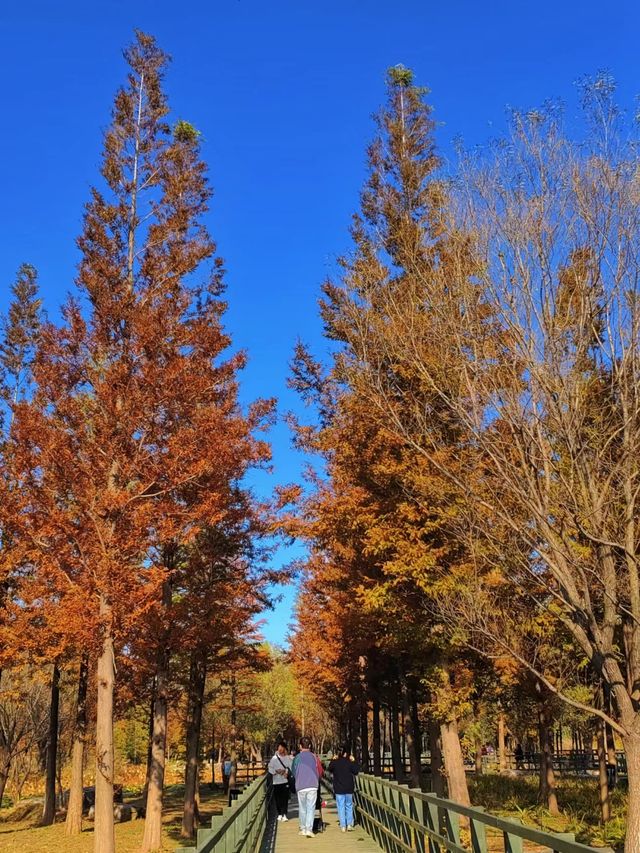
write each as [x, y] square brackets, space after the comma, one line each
[307, 771]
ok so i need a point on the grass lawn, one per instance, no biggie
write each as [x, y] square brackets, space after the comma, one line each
[577, 799]
[27, 837]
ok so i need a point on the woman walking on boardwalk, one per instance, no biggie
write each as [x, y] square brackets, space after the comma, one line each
[280, 769]
[307, 771]
[344, 770]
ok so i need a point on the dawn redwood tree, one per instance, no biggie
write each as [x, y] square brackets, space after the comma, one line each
[534, 351]
[20, 330]
[19, 335]
[219, 590]
[400, 512]
[135, 430]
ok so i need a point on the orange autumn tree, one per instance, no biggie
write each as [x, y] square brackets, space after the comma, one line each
[135, 432]
[220, 588]
[380, 559]
[412, 518]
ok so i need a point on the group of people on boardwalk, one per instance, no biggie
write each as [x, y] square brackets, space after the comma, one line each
[301, 774]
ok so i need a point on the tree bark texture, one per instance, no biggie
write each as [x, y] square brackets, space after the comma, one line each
[4, 776]
[104, 835]
[145, 790]
[197, 678]
[454, 763]
[396, 757]
[502, 749]
[437, 777]
[412, 736]
[49, 808]
[364, 735]
[631, 743]
[73, 823]
[547, 789]
[375, 734]
[605, 811]
[152, 839]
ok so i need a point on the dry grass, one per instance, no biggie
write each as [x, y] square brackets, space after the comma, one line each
[20, 832]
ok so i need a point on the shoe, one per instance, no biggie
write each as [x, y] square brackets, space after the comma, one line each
[279, 817]
[343, 829]
[350, 828]
[284, 817]
[302, 832]
[309, 834]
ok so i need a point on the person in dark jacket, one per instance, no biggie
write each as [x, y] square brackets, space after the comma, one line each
[344, 770]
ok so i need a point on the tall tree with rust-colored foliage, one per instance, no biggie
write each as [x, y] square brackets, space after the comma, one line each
[135, 432]
[219, 589]
[409, 514]
[533, 353]
[20, 334]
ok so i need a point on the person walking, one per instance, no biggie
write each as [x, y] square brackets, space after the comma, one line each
[344, 770]
[280, 768]
[307, 771]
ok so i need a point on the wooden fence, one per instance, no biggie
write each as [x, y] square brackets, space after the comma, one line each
[241, 826]
[406, 820]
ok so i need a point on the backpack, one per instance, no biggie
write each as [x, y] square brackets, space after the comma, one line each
[291, 781]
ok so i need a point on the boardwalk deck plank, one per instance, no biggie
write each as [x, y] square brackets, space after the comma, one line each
[332, 839]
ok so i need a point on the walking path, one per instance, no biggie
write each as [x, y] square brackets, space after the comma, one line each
[284, 838]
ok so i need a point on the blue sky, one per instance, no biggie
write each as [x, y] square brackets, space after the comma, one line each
[283, 94]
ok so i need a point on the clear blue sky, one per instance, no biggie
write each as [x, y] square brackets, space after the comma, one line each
[283, 92]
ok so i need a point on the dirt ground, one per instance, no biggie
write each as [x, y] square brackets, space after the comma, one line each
[24, 834]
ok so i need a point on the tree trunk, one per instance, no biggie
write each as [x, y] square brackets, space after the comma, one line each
[234, 735]
[219, 763]
[605, 811]
[454, 763]
[502, 750]
[631, 745]
[415, 725]
[437, 778]
[547, 789]
[364, 736]
[396, 758]
[611, 744]
[4, 776]
[233, 781]
[478, 758]
[375, 725]
[197, 678]
[147, 776]
[73, 824]
[412, 738]
[104, 835]
[49, 809]
[152, 839]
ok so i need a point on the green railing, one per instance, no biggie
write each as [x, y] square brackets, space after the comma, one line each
[241, 826]
[406, 820]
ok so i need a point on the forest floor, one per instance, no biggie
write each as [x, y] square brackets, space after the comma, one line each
[19, 828]
[516, 797]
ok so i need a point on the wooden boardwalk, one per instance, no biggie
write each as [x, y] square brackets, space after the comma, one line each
[284, 838]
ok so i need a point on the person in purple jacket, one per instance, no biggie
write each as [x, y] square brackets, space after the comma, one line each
[307, 771]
